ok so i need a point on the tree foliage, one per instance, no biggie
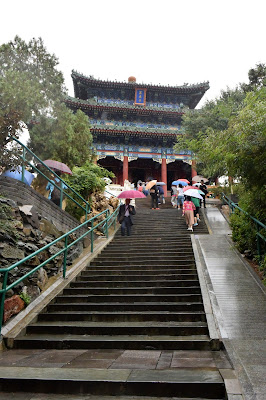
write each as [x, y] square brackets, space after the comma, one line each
[29, 86]
[88, 178]
[64, 137]
[31, 95]
[228, 136]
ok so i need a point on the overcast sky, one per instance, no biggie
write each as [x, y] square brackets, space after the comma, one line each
[167, 42]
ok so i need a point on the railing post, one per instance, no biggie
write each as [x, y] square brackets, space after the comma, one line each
[86, 212]
[23, 164]
[2, 304]
[65, 257]
[61, 194]
[258, 241]
[106, 225]
[92, 236]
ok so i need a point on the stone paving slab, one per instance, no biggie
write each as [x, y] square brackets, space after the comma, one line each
[45, 396]
[114, 359]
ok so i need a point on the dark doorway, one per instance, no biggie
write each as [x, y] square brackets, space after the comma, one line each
[137, 174]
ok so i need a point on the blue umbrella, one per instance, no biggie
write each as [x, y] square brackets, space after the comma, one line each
[17, 174]
[161, 184]
[176, 183]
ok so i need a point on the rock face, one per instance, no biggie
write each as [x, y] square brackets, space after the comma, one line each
[100, 203]
[22, 232]
[13, 305]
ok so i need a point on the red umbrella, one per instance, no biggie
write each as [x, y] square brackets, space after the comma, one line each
[184, 180]
[131, 194]
[59, 166]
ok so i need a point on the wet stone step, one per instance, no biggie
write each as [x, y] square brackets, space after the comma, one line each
[132, 292]
[133, 306]
[133, 271]
[140, 283]
[142, 258]
[125, 342]
[188, 382]
[138, 328]
[136, 277]
[172, 263]
[79, 296]
[137, 316]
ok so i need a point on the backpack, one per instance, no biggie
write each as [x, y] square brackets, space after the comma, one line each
[154, 190]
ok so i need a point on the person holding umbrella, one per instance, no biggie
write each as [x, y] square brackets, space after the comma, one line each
[188, 212]
[154, 193]
[124, 217]
[204, 189]
[127, 210]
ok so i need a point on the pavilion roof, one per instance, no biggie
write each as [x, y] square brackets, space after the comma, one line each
[136, 131]
[91, 104]
[199, 88]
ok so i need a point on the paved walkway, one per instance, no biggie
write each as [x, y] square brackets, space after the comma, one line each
[238, 301]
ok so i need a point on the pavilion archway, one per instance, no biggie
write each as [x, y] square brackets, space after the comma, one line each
[114, 165]
[143, 169]
[177, 170]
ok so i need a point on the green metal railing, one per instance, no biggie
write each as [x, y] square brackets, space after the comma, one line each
[258, 225]
[108, 221]
[25, 152]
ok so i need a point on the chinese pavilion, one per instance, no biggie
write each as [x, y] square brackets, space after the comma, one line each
[134, 126]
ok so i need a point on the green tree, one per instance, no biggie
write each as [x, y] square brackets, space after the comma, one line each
[30, 84]
[64, 137]
[257, 78]
[86, 180]
[202, 129]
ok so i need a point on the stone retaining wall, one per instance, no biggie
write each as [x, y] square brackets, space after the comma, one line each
[24, 194]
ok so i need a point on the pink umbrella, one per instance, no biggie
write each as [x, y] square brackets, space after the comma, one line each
[184, 180]
[131, 194]
[59, 166]
[190, 187]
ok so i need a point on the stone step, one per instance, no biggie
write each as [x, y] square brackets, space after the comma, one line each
[173, 239]
[137, 277]
[118, 328]
[148, 261]
[141, 259]
[134, 291]
[126, 342]
[90, 296]
[48, 396]
[124, 316]
[120, 270]
[148, 283]
[148, 245]
[133, 306]
[193, 382]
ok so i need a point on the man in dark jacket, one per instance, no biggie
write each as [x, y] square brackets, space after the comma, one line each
[154, 193]
[124, 217]
[204, 189]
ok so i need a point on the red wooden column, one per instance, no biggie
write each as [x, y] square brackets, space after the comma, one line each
[164, 175]
[125, 168]
[193, 169]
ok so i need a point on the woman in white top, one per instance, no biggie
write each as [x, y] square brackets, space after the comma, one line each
[180, 196]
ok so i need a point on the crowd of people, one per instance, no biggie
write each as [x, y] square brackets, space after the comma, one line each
[188, 204]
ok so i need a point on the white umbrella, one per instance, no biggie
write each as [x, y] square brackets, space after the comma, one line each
[199, 178]
[193, 193]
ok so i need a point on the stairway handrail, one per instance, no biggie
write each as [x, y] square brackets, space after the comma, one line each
[64, 251]
[259, 224]
[62, 182]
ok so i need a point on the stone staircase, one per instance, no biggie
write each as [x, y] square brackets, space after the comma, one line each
[137, 312]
